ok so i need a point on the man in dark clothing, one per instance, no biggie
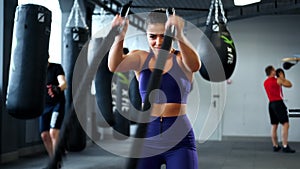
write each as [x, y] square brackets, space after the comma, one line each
[53, 114]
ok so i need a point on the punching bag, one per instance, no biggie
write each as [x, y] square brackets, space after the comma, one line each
[121, 113]
[86, 80]
[135, 98]
[103, 77]
[103, 87]
[29, 60]
[74, 40]
[217, 66]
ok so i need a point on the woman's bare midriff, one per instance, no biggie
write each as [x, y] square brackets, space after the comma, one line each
[168, 110]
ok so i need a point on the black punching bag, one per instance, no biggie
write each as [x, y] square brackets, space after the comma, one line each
[122, 123]
[74, 40]
[219, 67]
[135, 98]
[218, 53]
[103, 85]
[29, 59]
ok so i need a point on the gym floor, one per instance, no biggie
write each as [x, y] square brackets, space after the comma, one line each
[212, 155]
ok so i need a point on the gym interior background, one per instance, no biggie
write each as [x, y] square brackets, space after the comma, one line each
[263, 35]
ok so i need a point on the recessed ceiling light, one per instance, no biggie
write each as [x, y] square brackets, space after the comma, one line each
[245, 2]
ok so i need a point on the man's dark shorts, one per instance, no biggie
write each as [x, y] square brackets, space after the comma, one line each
[52, 117]
[278, 112]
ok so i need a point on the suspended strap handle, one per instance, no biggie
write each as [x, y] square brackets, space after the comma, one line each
[125, 9]
[78, 15]
[124, 13]
[154, 83]
[171, 30]
[216, 4]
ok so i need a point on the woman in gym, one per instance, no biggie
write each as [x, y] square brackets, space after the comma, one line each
[168, 124]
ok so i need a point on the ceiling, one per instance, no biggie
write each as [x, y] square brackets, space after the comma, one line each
[196, 11]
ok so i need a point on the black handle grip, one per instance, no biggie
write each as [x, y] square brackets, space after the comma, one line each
[170, 30]
[125, 9]
[170, 11]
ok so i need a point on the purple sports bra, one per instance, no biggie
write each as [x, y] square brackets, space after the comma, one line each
[174, 88]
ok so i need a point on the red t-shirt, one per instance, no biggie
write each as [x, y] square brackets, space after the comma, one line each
[273, 89]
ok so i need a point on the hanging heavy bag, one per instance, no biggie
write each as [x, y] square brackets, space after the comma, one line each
[122, 108]
[135, 98]
[85, 81]
[74, 40]
[103, 82]
[103, 79]
[29, 60]
[218, 63]
[122, 124]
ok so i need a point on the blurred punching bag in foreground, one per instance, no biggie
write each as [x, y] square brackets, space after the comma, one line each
[29, 60]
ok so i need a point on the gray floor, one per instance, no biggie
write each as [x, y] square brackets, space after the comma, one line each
[212, 155]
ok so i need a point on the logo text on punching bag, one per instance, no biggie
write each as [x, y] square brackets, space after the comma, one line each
[125, 101]
[230, 56]
[114, 96]
[124, 82]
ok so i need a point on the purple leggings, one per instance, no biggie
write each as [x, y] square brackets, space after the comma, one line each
[169, 141]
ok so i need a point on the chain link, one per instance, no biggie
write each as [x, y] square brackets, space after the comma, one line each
[216, 4]
[217, 11]
[78, 15]
[222, 11]
[210, 12]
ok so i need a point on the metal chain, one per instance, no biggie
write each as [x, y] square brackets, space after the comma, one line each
[217, 11]
[70, 18]
[82, 18]
[216, 4]
[222, 11]
[210, 12]
[78, 14]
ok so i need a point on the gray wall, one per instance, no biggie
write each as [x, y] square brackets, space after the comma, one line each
[260, 41]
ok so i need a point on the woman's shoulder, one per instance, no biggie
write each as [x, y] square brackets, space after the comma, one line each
[141, 53]
[140, 57]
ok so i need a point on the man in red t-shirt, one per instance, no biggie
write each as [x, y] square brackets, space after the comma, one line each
[277, 109]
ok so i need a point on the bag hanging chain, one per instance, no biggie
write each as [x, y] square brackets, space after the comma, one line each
[216, 4]
[217, 11]
[78, 14]
[222, 11]
[210, 12]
